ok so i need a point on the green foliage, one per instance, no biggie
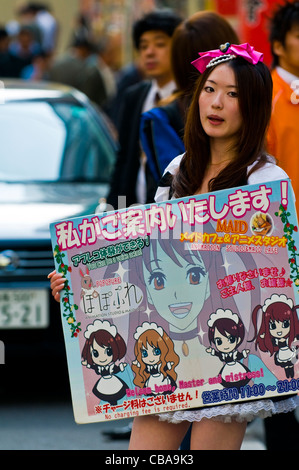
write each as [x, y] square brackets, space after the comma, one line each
[68, 306]
[289, 230]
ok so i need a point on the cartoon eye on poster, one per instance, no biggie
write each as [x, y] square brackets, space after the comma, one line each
[187, 303]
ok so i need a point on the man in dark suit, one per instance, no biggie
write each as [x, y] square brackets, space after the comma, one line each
[152, 37]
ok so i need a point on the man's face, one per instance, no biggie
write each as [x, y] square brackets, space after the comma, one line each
[154, 50]
[289, 53]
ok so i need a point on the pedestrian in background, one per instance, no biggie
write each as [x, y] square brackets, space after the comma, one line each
[41, 16]
[77, 68]
[283, 131]
[152, 38]
[282, 140]
[11, 66]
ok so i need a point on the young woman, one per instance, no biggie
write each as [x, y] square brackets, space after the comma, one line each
[224, 142]
[162, 128]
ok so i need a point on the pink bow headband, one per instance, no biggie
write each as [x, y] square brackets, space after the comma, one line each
[226, 52]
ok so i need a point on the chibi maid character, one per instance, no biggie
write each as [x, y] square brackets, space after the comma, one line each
[278, 330]
[226, 332]
[156, 359]
[103, 347]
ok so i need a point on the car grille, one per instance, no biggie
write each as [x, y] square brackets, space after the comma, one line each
[27, 264]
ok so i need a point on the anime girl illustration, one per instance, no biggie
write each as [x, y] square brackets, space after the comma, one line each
[156, 359]
[226, 332]
[103, 347]
[176, 282]
[177, 287]
[278, 330]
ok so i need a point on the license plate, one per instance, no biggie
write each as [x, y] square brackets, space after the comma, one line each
[22, 308]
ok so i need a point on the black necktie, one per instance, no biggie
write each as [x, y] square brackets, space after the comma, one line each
[157, 98]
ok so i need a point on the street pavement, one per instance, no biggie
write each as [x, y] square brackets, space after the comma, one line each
[51, 426]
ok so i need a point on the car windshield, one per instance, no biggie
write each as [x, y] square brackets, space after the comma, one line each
[44, 141]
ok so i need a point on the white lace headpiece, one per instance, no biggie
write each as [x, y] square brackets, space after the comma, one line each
[220, 313]
[147, 326]
[278, 298]
[100, 325]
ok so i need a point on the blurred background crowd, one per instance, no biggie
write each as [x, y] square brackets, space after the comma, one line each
[88, 43]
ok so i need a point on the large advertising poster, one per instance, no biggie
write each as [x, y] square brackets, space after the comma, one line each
[187, 303]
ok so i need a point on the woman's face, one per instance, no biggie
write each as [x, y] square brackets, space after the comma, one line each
[219, 105]
[178, 293]
[289, 51]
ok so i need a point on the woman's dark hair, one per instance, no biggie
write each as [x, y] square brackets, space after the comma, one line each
[255, 100]
[281, 23]
[203, 31]
[158, 20]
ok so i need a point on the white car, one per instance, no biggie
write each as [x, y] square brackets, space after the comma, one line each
[57, 156]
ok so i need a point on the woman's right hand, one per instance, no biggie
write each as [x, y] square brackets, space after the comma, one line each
[56, 283]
